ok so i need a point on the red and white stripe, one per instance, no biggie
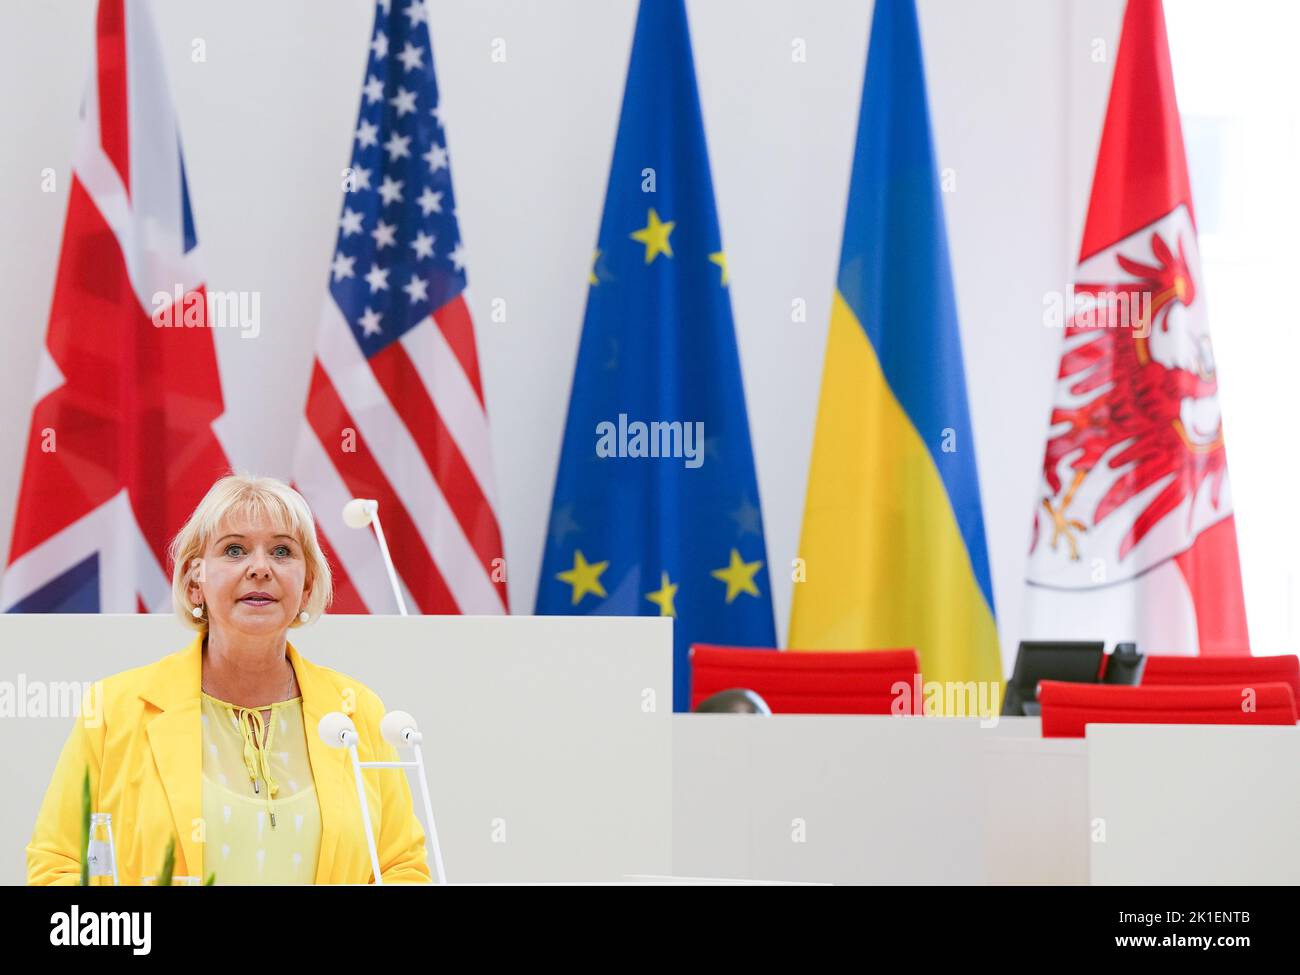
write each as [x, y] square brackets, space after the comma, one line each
[408, 428]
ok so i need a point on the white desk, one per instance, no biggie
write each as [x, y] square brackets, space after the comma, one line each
[560, 730]
[864, 799]
[536, 728]
[1035, 793]
[829, 798]
[1195, 804]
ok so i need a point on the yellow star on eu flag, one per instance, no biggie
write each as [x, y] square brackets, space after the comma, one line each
[584, 577]
[663, 596]
[738, 575]
[720, 258]
[655, 236]
[592, 279]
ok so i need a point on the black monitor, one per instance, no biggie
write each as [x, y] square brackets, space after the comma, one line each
[1076, 661]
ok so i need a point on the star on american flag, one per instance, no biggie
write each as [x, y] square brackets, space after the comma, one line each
[400, 200]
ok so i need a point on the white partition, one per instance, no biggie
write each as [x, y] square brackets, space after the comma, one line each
[555, 729]
[830, 798]
[559, 732]
[1195, 804]
[1035, 814]
[865, 799]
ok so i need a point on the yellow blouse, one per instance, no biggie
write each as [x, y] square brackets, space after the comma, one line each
[261, 815]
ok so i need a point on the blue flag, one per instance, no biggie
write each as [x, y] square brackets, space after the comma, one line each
[656, 509]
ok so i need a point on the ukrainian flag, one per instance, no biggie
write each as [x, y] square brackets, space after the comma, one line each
[893, 531]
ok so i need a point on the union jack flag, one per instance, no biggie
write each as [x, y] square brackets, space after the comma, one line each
[395, 410]
[122, 444]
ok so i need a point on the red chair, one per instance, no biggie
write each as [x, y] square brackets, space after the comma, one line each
[1163, 670]
[809, 682]
[1068, 708]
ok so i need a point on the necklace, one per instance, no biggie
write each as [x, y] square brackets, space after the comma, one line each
[287, 690]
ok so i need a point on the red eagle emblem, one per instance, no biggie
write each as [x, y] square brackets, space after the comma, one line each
[1137, 406]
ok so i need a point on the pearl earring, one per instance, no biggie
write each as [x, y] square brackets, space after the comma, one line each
[197, 612]
[304, 616]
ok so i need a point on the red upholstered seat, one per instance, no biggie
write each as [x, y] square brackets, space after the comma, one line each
[805, 682]
[1067, 708]
[1162, 671]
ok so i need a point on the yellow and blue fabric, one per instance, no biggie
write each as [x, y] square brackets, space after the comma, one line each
[654, 535]
[893, 532]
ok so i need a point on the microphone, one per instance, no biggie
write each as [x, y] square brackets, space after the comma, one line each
[337, 730]
[398, 729]
[360, 512]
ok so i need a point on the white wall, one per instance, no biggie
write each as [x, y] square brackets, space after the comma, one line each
[1017, 104]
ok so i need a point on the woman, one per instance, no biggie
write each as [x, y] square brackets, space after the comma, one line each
[216, 745]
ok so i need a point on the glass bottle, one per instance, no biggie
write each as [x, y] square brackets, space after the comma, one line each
[101, 857]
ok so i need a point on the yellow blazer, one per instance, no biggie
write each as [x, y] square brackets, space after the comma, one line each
[144, 750]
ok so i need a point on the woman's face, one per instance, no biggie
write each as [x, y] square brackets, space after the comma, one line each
[252, 579]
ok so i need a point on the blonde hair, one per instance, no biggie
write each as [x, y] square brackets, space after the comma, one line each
[258, 499]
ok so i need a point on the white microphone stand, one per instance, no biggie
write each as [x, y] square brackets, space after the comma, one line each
[398, 728]
[360, 512]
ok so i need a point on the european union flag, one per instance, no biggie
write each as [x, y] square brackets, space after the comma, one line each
[656, 507]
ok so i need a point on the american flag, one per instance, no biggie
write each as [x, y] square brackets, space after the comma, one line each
[395, 411]
[122, 444]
